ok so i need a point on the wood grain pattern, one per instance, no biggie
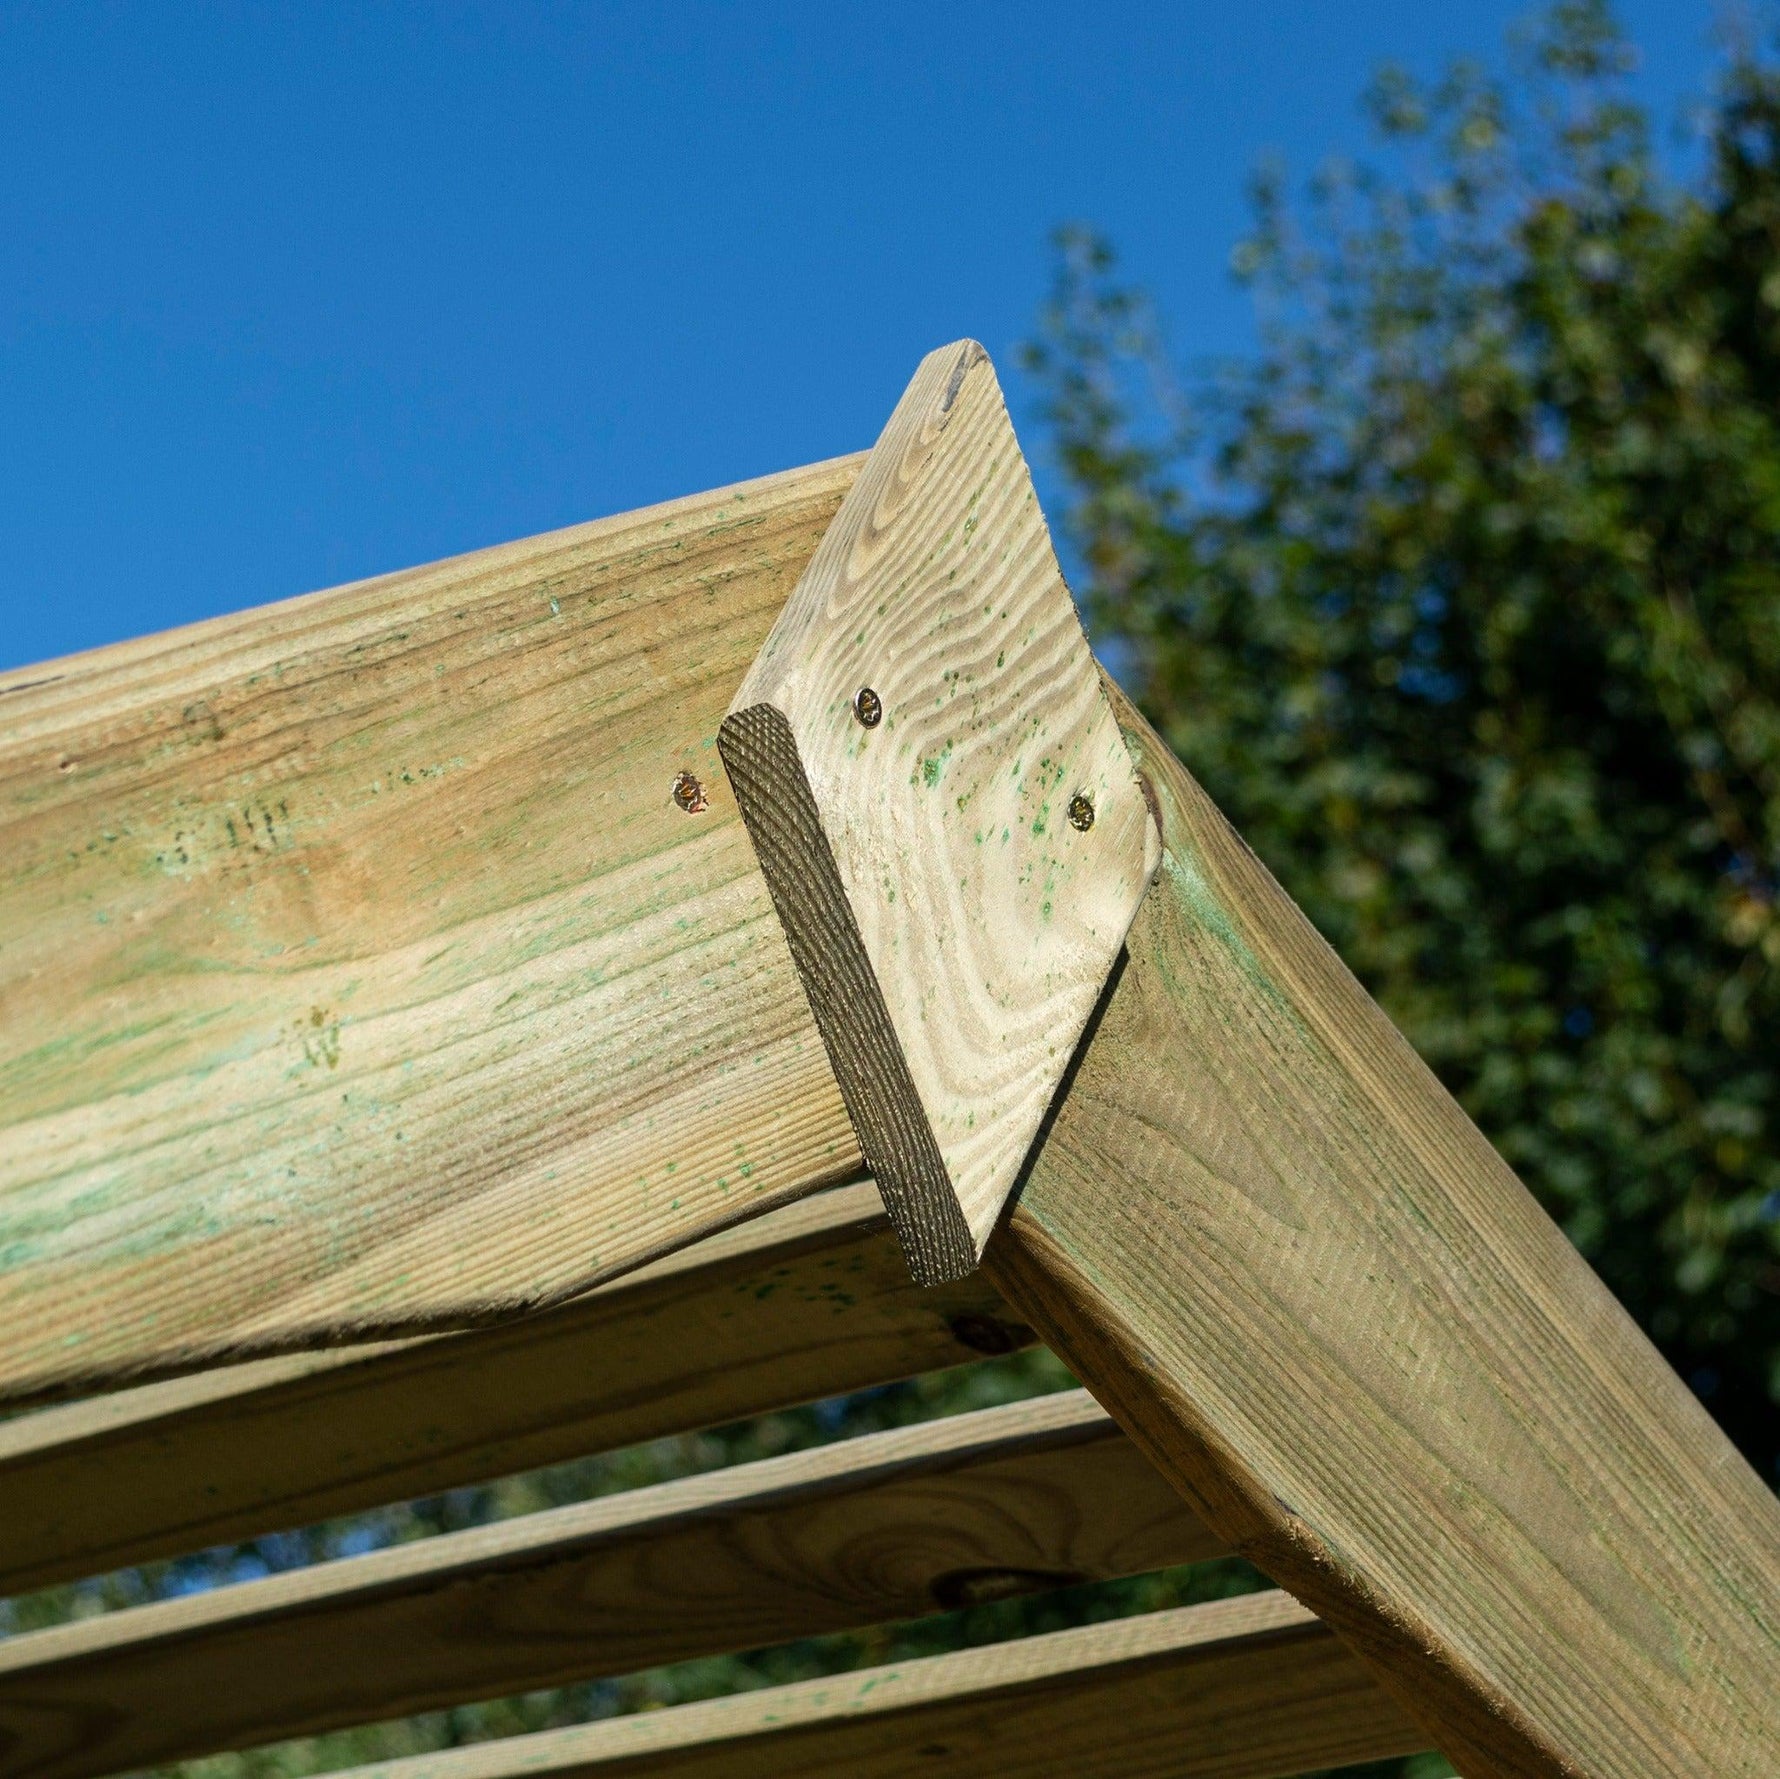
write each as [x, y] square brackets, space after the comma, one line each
[808, 1301]
[1274, 1247]
[893, 1525]
[857, 1026]
[1242, 1689]
[359, 974]
[953, 921]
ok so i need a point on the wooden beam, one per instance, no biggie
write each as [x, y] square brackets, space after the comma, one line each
[361, 974]
[943, 807]
[1251, 1688]
[808, 1301]
[1265, 1236]
[892, 1525]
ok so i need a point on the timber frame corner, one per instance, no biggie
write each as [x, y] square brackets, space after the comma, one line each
[381, 1112]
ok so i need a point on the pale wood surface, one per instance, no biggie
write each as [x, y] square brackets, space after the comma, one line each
[893, 1525]
[1275, 1248]
[359, 974]
[811, 1300]
[1252, 1688]
[954, 925]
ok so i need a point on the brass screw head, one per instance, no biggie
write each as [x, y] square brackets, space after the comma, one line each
[690, 794]
[1081, 811]
[868, 707]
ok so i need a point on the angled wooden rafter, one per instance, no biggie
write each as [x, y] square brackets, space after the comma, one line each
[1281, 1255]
[1263, 1233]
[360, 974]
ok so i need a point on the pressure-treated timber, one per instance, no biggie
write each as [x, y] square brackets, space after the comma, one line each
[892, 1525]
[284, 1061]
[1252, 1688]
[359, 972]
[1276, 1249]
[811, 1300]
[943, 807]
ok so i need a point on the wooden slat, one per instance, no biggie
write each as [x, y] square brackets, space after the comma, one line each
[359, 974]
[1270, 1242]
[1252, 1688]
[808, 1301]
[888, 1526]
[936, 596]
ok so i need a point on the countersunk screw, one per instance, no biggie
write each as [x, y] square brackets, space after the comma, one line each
[690, 794]
[1081, 811]
[868, 707]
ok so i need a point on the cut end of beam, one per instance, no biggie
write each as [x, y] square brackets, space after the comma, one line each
[943, 807]
[760, 755]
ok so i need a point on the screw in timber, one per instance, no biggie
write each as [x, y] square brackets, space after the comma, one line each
[868, 707]
[690, 794]
[1081, 811]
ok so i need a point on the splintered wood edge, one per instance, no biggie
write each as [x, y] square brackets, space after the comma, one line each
[760, 755]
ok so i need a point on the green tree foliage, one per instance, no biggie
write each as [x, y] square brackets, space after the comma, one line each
[1463, 600]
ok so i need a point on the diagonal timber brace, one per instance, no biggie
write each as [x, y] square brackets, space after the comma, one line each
[943, 808]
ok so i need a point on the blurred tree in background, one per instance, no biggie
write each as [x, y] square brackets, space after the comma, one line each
[1463, 600]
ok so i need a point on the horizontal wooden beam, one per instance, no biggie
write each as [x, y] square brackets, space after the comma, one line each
[892, 1525]
[392, 959]
[1266, 1237]
[808, 1301]
[1251, 1688]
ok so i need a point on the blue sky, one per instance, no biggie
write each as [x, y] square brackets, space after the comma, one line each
[294, 295]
